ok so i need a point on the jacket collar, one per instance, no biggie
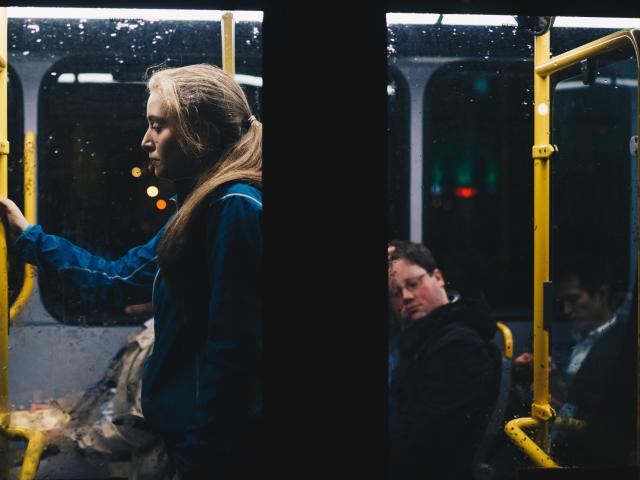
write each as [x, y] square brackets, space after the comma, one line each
[470, 314]
[184, 186]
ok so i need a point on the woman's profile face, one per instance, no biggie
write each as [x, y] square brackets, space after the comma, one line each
[166, 159]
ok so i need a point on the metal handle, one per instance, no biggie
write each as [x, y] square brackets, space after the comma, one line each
[32, 454]
[507, 339]
[513, 429]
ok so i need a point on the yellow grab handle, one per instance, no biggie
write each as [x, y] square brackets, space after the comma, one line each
[514, 431]
[507, 339]
[32, 454]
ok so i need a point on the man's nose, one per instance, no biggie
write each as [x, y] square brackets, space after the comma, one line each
[406, 294]
[567, 308]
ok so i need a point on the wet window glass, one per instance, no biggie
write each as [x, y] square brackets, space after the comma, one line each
[83, 80]
[594, 244]
[460, 131]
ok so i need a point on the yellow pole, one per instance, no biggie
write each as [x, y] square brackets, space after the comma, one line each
[30, 214]
[540, 408]
[4, 279]
[228, 44]
[4, 289]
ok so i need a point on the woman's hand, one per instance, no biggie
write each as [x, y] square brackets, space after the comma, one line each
[12, 217]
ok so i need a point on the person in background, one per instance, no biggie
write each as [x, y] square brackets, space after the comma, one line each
[445, 384]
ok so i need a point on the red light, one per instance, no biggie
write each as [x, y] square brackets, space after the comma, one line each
[161, 204]
[466, 192]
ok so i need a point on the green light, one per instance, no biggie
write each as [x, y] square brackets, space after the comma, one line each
[492, 174]
[464, 172]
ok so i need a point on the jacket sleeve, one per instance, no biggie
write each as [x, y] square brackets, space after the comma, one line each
[230, 370]
[55, 255]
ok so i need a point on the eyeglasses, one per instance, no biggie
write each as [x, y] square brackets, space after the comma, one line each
[410, 285]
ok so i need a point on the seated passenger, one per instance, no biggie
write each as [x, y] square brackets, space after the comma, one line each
[445, 384]
[598, 374]
[589, 308]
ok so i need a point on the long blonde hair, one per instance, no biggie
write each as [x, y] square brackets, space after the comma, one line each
[211, 118]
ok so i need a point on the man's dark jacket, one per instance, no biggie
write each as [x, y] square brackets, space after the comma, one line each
[442, 392]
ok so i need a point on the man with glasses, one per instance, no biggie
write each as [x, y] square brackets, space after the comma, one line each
[444, 386]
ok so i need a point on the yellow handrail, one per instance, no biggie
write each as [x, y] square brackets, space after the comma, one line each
[4, 280]
[228, 44]
[544, 67]
[542, 150]
[591, 49]
[30, 215]
[514, 431]
[507, 339]
[4, 287]
[33, 452]
[35, 438]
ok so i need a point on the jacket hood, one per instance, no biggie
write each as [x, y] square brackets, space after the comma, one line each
[472, 314]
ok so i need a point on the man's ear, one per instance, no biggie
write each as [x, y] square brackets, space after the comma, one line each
[437, 274]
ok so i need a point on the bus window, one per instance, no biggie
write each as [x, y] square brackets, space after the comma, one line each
[477, 204]
[94, 188]
[594, 209]
[460, 168]
[463, 169]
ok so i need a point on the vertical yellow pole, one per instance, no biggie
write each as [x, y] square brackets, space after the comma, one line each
[4, 279]
[30, 214]
[541, 409]
[228, 44]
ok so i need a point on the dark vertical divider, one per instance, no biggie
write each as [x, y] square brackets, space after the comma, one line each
[325, 217]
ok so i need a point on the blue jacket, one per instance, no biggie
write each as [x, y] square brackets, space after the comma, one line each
[202, 384]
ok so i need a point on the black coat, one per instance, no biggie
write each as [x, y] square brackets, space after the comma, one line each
[442, 393]
[603, 392]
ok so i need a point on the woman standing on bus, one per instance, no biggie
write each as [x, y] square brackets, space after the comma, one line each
[202, 384]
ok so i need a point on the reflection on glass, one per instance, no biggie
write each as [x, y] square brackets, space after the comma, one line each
[86, 69]
[594, 257]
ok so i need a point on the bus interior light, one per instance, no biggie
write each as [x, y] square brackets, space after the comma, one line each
[481, 20]
[95, 78]
[67, 78]
[130, 13]
[412, 18]
[508, 20]
[250, 80]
